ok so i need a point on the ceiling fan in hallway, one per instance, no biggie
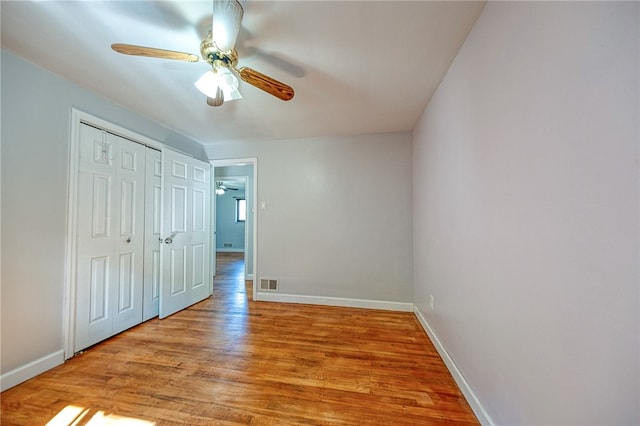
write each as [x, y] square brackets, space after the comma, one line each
[220, 83]
[221, 188]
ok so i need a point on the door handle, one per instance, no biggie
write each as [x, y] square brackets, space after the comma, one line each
[128, 240]
[170, 238]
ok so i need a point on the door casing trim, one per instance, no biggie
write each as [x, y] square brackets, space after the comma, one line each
[253, 161]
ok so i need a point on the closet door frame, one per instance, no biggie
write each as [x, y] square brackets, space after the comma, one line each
[69, 303]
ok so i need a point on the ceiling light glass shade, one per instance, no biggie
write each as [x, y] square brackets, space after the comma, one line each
[219, 77]
[227, 15]
[219, 191]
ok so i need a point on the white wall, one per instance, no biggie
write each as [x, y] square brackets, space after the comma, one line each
[525, 174]
[336, 221]
[36, 113]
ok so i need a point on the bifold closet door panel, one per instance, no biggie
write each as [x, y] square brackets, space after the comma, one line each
[152, 212]
[110, 236]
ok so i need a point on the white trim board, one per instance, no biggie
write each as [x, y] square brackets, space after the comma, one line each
[229, 250]
[334, 301]
[469, 394]
[32, 369]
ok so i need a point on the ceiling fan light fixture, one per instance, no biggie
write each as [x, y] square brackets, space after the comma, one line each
[219, 78]
[227, 15]
[218, 100]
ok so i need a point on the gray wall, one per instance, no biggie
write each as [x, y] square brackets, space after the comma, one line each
[228, 230]
[525, 174]
[36, 113]
[336, 220]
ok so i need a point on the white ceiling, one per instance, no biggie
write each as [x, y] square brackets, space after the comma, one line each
[357, 67]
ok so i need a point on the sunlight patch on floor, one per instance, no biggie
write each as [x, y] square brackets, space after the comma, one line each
[72, 415]
[239, 300]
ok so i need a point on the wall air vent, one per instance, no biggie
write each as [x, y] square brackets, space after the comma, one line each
[267, 284]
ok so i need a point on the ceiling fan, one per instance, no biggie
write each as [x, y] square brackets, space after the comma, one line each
[221, 188]
[220, 83]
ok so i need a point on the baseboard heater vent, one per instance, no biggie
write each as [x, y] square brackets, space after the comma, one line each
[268, 284]
[227, 245]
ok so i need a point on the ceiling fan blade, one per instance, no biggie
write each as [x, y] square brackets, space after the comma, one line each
[266, 83]
[151, 52]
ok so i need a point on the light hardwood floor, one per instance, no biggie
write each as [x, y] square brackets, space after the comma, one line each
[229, 360]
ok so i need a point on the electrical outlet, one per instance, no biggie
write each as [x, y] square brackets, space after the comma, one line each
[431, 302]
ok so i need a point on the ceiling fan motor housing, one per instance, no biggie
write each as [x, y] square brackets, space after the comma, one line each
[212, 54]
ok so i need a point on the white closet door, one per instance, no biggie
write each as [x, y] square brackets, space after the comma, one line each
[153, 208]
[110, 236]
[185, 277]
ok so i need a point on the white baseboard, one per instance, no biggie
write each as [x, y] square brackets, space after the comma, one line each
[470, 396]
[335, 301]
[229, 250]
[32, 369]
[248, 277]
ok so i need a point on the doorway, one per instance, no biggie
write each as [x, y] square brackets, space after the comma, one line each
[238, 170]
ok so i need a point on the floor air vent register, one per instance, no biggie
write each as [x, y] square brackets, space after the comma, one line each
[268, 284]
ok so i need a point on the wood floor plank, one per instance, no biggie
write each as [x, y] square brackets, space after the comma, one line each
[231, 361]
